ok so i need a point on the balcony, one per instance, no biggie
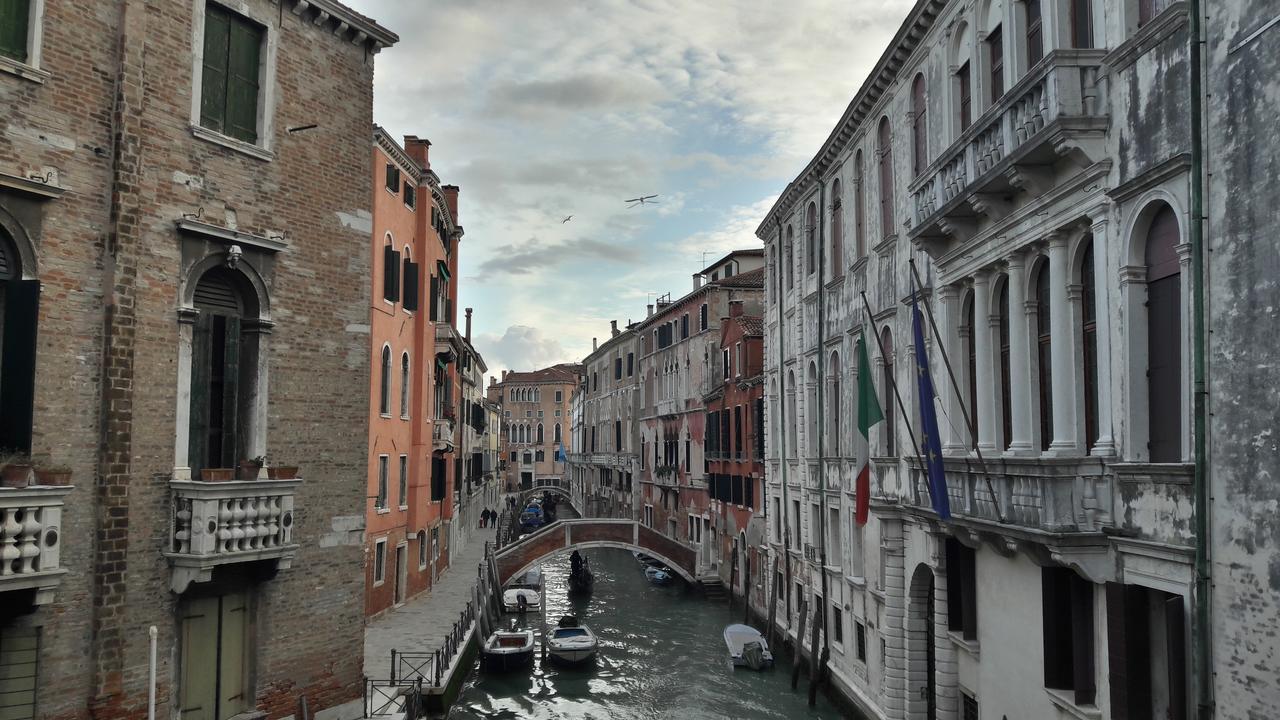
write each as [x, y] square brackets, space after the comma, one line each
[442, 434]
[1052, 113]
[219, 523]
[447, 340]
[31, 539]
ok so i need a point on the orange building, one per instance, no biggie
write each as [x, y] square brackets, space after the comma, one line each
[535, 424]
[414, 391]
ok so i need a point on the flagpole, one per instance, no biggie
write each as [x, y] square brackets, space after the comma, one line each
[893, 383]
[969, 421]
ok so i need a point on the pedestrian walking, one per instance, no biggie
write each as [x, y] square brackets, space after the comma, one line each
[484, 517]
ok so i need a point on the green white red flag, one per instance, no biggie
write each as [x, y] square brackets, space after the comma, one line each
[869, 413]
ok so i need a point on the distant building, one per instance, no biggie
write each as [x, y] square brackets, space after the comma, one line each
[476, 480]
[535, 407]
[604, 464]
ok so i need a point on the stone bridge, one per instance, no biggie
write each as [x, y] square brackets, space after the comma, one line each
[527, 495]
[568, 535]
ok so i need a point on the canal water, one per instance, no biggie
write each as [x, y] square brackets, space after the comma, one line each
[661, 656]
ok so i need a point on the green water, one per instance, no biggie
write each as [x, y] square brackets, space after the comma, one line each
[661, 656]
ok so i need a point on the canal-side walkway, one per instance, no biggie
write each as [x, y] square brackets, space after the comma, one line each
[420, 624]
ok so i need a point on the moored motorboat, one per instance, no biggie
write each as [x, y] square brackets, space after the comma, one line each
[507, 650]
[572, 643]
[658, 575]
[747, 647]
[524, 592]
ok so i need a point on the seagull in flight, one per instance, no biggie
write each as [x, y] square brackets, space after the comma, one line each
[566, 219]
[642, 200]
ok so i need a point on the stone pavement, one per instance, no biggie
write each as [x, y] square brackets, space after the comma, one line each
[420, 624]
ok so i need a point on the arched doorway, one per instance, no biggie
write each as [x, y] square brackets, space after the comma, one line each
[19, 310]
[1164, 337]
[224, 369]
[922, 689]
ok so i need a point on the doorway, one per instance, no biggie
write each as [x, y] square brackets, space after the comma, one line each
[402, 571]
[215, 677]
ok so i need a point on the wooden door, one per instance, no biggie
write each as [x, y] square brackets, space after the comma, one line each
[199, 692]
[232, 643]
[19, 662]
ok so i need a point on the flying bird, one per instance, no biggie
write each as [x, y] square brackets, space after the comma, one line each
[642, 200]
[566, 219]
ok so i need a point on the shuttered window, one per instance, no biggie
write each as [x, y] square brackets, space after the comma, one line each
[738, 450]
[1035, 33]
[390, 273]
[229, 81]
[965, 82]
[702, 317]
[410, 195]
[380, 501]
[217, 348]
[439, 479]
[1067, 619]
[962, 589]
[15, 19]
[19, 672]
[393, 178]
[1089, 344]
[411, 297]
[837, 231]
[1164, 344]
[995, 50]
[1006, 381]
[919, 126]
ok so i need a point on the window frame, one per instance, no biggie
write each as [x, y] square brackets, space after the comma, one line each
[384, 480]
[29, 68]
[262, 148]
[379, 561]
[403, 481]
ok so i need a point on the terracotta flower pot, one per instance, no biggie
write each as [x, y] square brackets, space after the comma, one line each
[249, 470]
[15, 475]
[283, 472]
[217, 475]
[46, 476]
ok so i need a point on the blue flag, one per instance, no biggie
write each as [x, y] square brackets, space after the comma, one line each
[931, 446]
[560, 453]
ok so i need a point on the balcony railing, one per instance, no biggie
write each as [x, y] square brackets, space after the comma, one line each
[442, 433]
[216, 523]
[1045, 115]
[31, 539]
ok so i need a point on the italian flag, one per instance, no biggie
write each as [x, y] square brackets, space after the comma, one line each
[869, 414]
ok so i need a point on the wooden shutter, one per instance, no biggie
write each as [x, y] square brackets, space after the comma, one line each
[199, 691]
[955, 584]
[1081, 24]
[15, 18]
[18, 368]
[213, 77]
[919, 125]
[198, 424]
[966, 96]
[245, 45]
[437, 479]
[1035, 33]
[1176, 640]
[390, 273]
[995, 45]
[435, 297]
[1055, 592]
[702, 316]
[19, 667]
[1082, 639]
[233, 644]
[886, 179]
[230, 386]
[411, 284]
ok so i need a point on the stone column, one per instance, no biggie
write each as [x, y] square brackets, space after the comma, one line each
[983, 360]
[1019, 356]
[1062, 347]
[182, 414]
[894, 629]
[1105, 307]
[954, 436]
[946, 667]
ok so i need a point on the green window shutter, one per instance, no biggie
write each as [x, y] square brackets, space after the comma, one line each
[15, 17]
[242, 80]
[233, 628]
[213, 83]
[231, 394]
[201, 371]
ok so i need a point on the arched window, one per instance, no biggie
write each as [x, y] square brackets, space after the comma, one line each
[223, 371]
[810, 235]
[890, 421]
[961, 52]
[19, 308]
[539, 441]
[919, 127]
[390, 270]
[557, 434]
[995, 62]
[1006, 384]
[515, 433]
[404, 385]
[1044, 340]
[968, 332]
[791, 257]
[884, 151]
[833, 406]
[1164, 345]
[791, 421]
[1089, 343]
[384, 383]
[859, 207]
[811, 411]
[837, 231]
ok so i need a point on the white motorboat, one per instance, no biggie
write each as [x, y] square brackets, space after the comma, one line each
[521, 600]
[747, 647]
[572, 643]
[507, 650]
[658, 575]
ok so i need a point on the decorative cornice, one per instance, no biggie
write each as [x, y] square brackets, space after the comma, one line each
[31, 186]
[228, 236]
[392, 149]
[345, 23]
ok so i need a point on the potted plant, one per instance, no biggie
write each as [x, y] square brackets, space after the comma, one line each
[251, 469]
[282, 472]
[217, 474]
[15, 470]
[52, 474]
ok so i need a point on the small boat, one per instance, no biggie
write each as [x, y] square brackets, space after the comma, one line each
[507, 650]
[524, 593]
[658, 575]
[747, 647]
[532, 518]
[581, 579]
[572, 643]
[639, 556]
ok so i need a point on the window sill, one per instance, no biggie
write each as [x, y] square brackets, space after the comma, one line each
[226, 141]
[404, 507]
[1062, 699]
[970, 646]
[382, 510]
[23, 70]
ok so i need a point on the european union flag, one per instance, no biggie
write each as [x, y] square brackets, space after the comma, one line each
[560, 453]
[931, 446]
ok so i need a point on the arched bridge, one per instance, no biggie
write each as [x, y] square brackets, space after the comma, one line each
[529, 494]
[568, 535]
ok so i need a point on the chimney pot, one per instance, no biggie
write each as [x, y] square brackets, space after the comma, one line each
[613, 326]
[594, 345]
[650, 313]
[697, 281]
[735, 308]
[468, 325]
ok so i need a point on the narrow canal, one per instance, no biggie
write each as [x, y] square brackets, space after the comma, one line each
[661, 656]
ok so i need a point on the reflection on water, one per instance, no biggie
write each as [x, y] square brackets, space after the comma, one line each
[661, 656]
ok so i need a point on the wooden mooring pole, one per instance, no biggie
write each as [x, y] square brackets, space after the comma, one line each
[799, 649]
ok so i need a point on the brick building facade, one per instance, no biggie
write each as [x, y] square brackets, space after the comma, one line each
[605, 459]
[184, 223]
[536, 424]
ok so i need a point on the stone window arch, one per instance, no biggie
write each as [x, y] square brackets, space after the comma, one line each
[887, 403]
[539, 440]
[404, 385]
[791, 257]
[1042, 351]
[884, 159]
[384, 382]
[837, 230]
[833, 410]
[791, 421]
[810, 238]
[811, 410]
[919, 126]
[859, 207]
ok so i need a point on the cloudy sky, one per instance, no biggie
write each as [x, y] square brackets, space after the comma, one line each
[540, 110]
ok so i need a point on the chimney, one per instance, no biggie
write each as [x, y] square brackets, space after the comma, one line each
[735, 308]
[594, 345]
[613, 325]
[697, 281]
[451, 199]
[468, 326]
[419, 149]
[504, 376]
[650, 313]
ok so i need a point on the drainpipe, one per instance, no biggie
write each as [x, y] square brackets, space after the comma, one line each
[782, 431]
[820, 393]
[1202, 598]
[152, 632]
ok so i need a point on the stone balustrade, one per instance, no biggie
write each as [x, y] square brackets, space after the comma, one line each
[31, 539]
[216, 523]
